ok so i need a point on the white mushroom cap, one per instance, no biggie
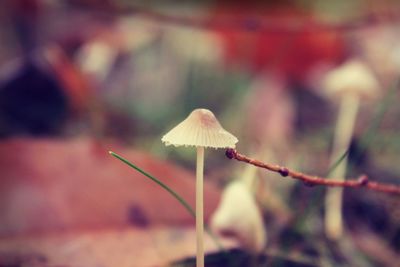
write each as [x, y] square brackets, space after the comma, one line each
[352, 77]
[239, 216]
[201, 129]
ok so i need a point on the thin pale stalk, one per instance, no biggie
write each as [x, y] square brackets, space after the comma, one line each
[199, 207]
[343, 134]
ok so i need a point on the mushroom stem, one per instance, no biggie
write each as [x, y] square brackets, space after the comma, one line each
[342, 138]
[199, 207]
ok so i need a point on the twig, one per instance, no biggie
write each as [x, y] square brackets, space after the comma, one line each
[310, 180]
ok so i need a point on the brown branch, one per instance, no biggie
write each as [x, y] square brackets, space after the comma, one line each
[361, 182]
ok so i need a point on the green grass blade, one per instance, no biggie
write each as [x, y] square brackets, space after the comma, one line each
[154, 179]
[169, 190]
[337, 162]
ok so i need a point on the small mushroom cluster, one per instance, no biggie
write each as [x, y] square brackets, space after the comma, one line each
[237, 214]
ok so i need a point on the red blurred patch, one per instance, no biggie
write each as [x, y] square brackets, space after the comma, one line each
[275, 37]
[49, 185]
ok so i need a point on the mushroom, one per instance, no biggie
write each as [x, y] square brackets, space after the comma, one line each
[200, 129]
[350, 82]
[239, 216]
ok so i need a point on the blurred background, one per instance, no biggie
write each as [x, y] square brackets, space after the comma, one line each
[81, 77]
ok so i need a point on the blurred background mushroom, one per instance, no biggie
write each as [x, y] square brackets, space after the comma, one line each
[239, 217]
[353, 83]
